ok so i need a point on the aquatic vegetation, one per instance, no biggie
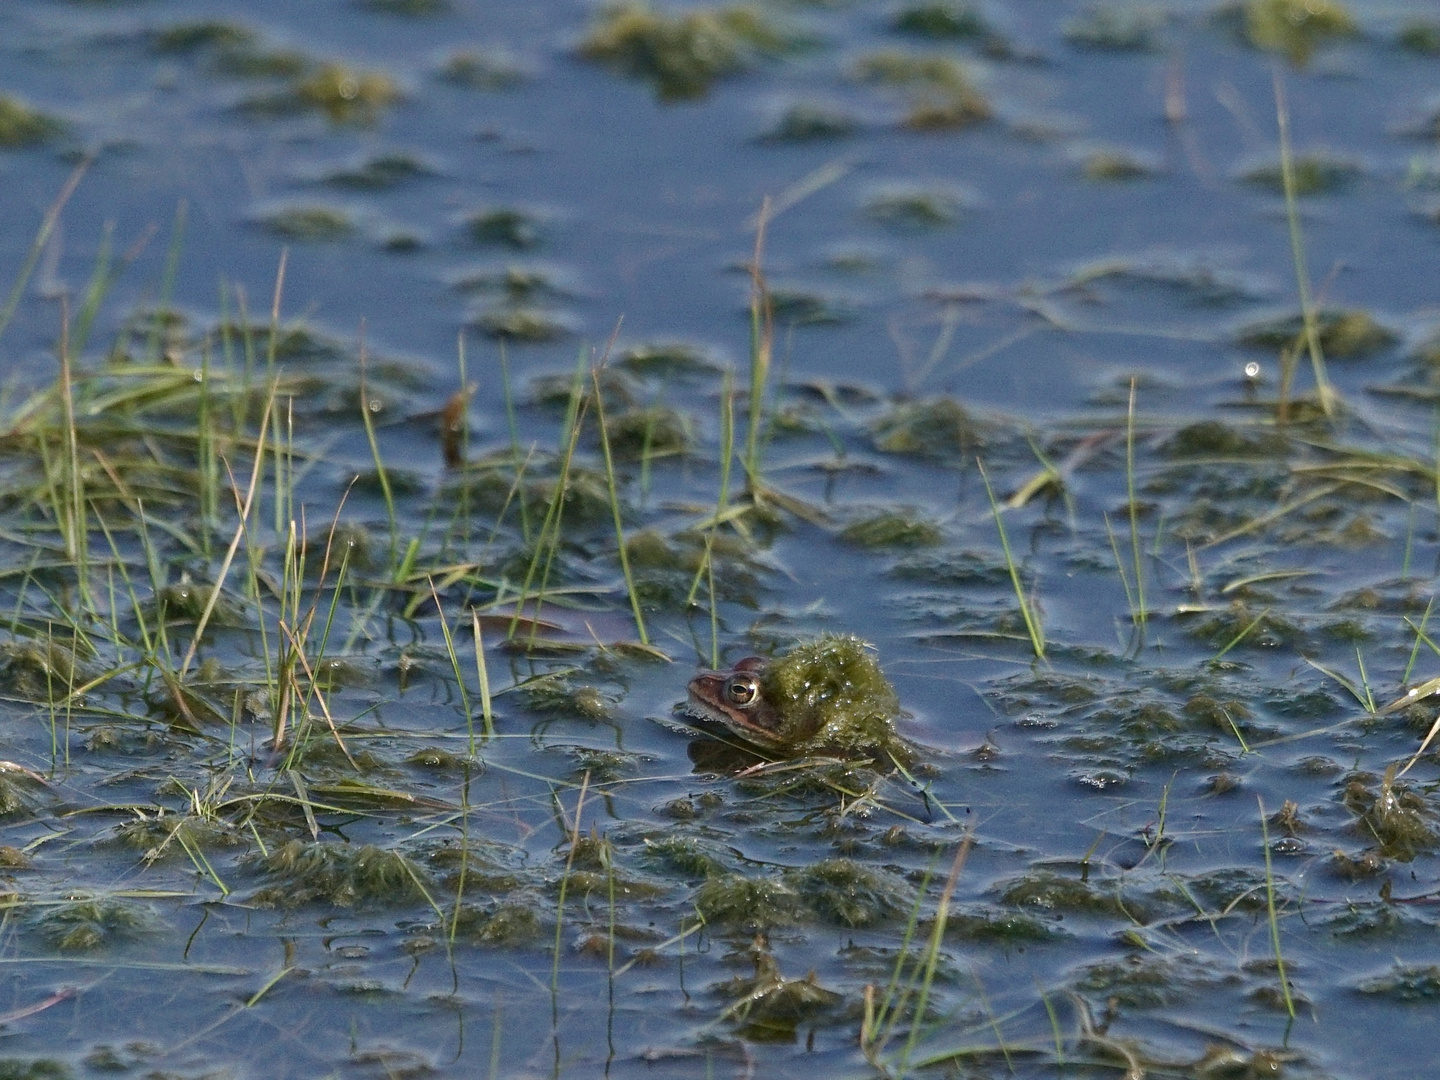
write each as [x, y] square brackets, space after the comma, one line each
[681, 55]
[893, 529]
[347, 96]
[1345, 334]
[1116, 165]
[1214, 438]
[1312, 174]
[411, 8]
[666, 360]
[746, 904]
[850, 894]
[809, 121]
[941, 93]
[380, 172]
[1397, 818]
[770, 1006]
[504, 925]
[1406, 982]
[941, 19]
[531, 324]
[1122, 28]
[1420, 36]
[22, 126]
[188, 37]
[483, 69]
[931, 427]
[823, 695]
[648, 432]
[309, 224]
[337, 873]
[84, 925]
[806, 307]
[504, 227]
[915, 208]
[1296, 28]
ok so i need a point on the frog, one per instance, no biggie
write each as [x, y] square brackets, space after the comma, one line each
[825, 695]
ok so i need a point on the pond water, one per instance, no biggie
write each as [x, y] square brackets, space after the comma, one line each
[973, 330]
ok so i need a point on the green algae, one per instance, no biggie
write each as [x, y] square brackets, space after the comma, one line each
[188, 37]
[1214, 438]
[649, 431]
[382, 172]
[22, 126]
[535, 325]
[1420, 36]
[1399, 819]
[503, 925]
[415, 9]
[915, 209]
[681, 55]
[770, 1007]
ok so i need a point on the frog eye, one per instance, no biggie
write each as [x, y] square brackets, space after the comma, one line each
[742, 691]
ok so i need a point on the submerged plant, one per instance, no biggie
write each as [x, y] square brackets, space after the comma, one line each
[942, 95]
[22, 126]
[340, 874]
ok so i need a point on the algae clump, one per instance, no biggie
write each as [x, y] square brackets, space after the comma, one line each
[832, 690]
[1296, 28]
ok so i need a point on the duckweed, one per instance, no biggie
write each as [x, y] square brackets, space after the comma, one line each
[681, 55]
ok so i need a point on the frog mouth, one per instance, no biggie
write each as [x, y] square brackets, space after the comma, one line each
[699, 709]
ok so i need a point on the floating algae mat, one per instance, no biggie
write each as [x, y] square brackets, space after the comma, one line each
[1023, 413]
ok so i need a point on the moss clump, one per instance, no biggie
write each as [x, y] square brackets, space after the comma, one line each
[482, 70]
[504, 227]
[189, 37]
[506, 925]
[90, 924]
[1420, 36]
[22, 126]
[1211, 438]
[1118, 28]
[735, 901]
[831, 692]
[1108, 166]
[942, 95]
[531, 324]
[1296, 28]
[892, 529]
[380, 173]
[1046, 890]
[649, 431]
[914, 209]
[941, 19]
[410, 8]
[810, 122]
[347, 96]
[1405, 983]
[1397, 817]
[309, 224]
[845, 892]
[1345, 334]
[1312, 174]
[681, 55]
[339, 874]
[933, 427]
